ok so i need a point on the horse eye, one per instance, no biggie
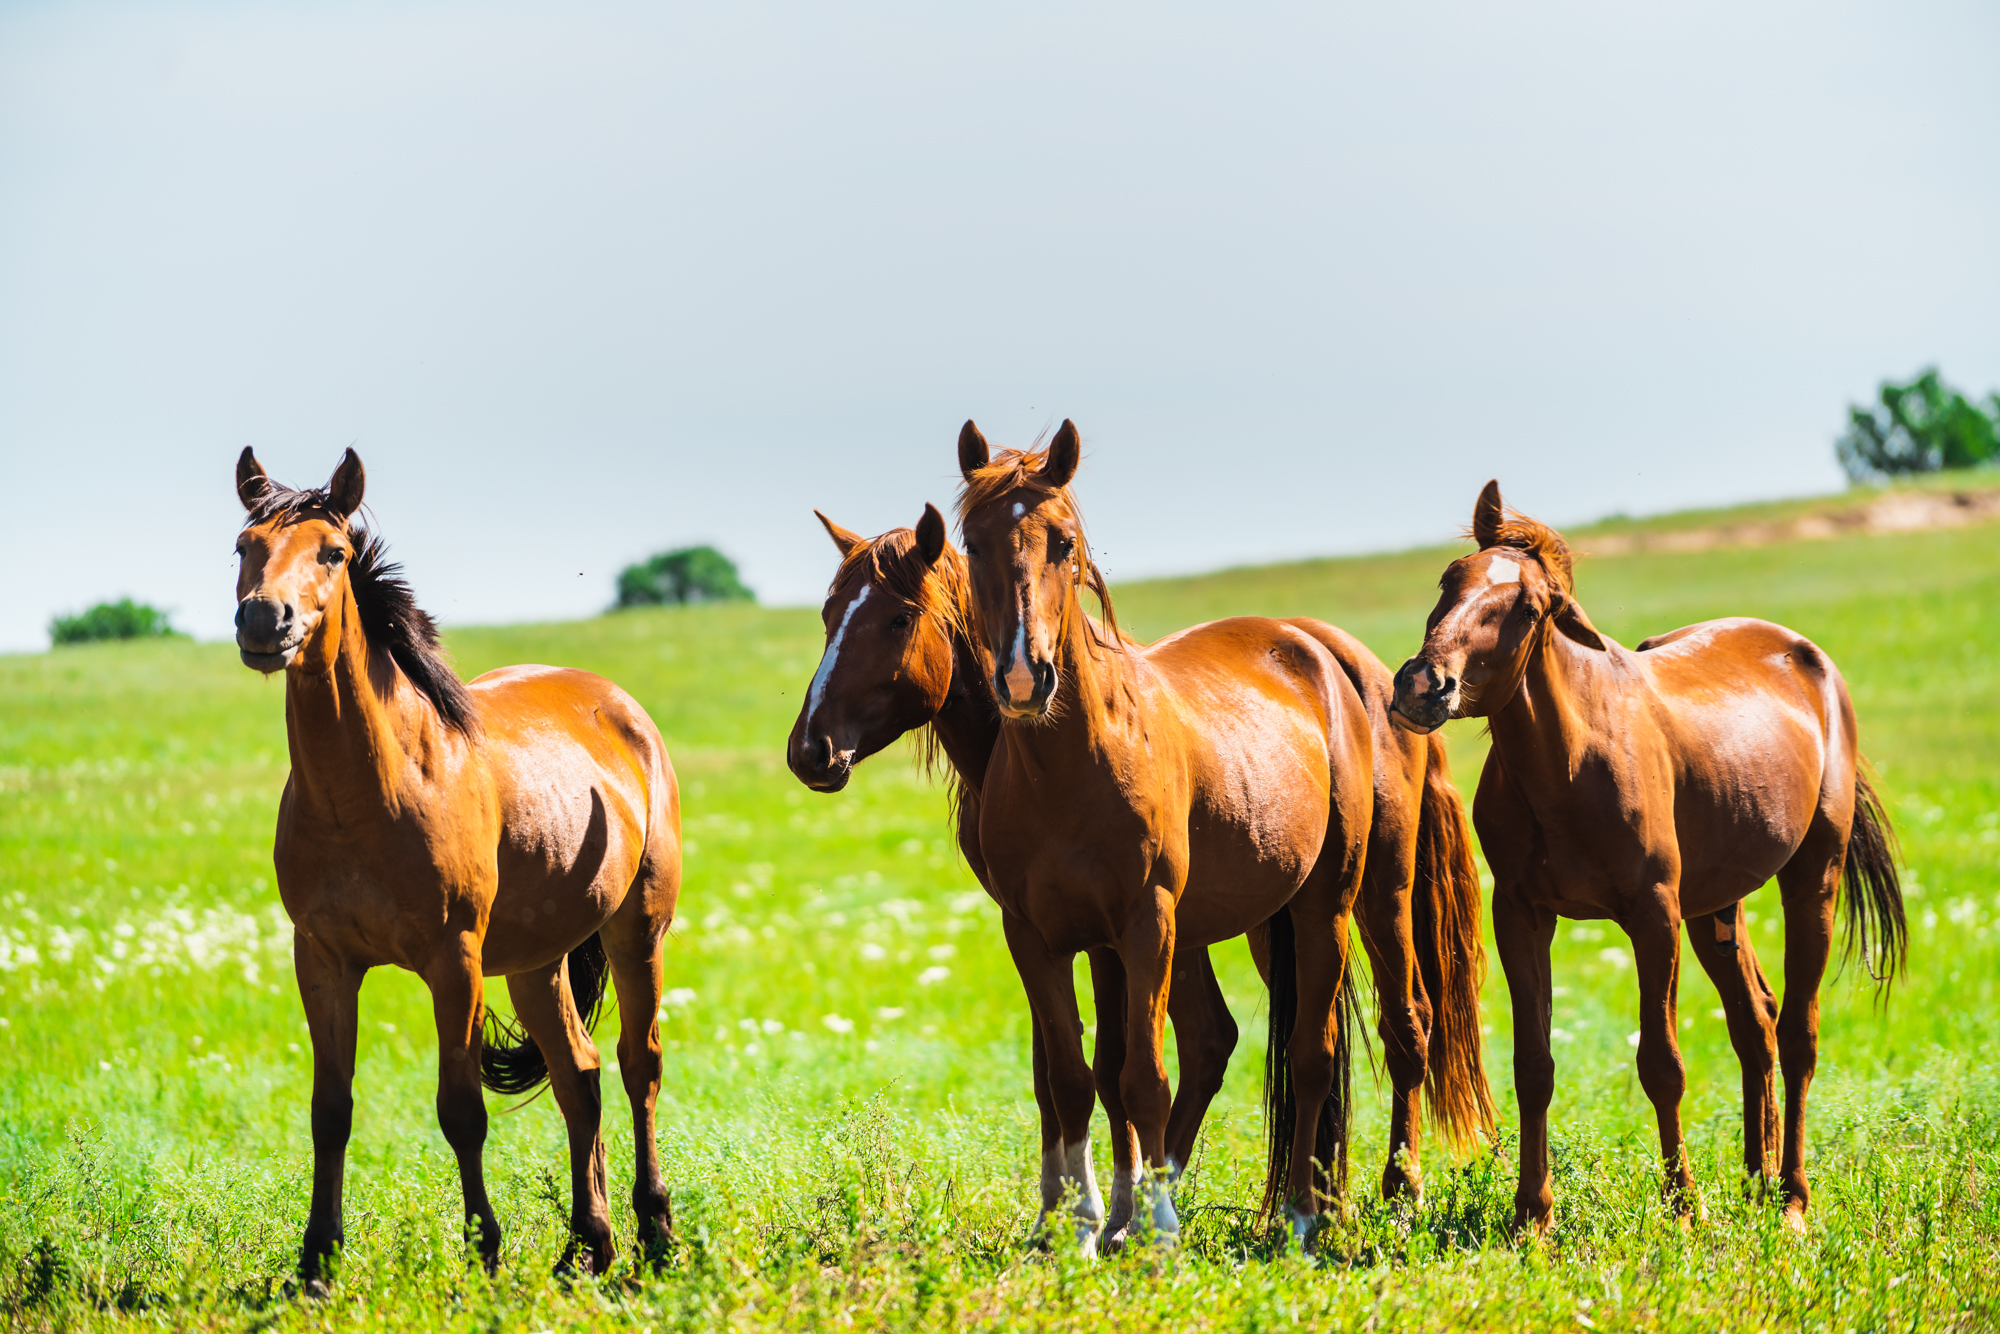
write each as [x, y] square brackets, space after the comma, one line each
[902, 621]
[334, 557]
[971, 550]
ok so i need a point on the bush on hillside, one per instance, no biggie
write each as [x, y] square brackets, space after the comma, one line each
[123, 619]
[1922, 426]
[691, 574]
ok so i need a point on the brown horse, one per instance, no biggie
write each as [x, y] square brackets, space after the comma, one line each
[527, 825]
[901, 656]
[1653, 788]
[1143, 801]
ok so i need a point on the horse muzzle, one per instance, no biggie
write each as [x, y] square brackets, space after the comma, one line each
[268, 634]
[818, 765]
[1026, 689]
[1425, 698]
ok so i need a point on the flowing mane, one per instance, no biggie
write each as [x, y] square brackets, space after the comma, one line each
[1020, 470]
[943, 590]
[1515, 529]
[390, 616]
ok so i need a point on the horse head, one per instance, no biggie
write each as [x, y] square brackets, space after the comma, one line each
[1025, 548]
[295, 549]
[891, 617]
[1494, 614]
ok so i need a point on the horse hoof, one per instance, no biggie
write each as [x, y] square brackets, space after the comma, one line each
[1795, 1221]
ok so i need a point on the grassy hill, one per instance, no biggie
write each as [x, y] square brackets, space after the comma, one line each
[153, 1090]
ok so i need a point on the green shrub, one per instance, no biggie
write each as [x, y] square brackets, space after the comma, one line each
[123, 619]
[691, 574]
[1922, 426]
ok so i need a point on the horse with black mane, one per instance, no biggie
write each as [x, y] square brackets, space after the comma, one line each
[526, 825]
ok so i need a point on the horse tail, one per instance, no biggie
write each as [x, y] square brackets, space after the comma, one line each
[1451, 957]
[510, 1062]
[1876, 927]
[1330, 1133]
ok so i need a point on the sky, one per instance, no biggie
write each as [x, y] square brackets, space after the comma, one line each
[582, 283]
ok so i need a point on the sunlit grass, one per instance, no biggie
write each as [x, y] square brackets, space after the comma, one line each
[847, 1120]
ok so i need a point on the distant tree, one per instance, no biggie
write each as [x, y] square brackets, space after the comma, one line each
[123, 619]
[691, 574]
[1922, 426]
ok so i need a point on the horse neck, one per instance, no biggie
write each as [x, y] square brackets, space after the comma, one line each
[967, 725]
[353, 722]
[1540, 730]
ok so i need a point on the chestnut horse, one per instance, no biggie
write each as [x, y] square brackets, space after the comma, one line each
[900, 656]
[1653, 788]
[1147, 800]
[526, 825]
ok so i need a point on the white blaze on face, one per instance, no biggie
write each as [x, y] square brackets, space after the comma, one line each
[1020, 680]
[825, 671]
[1500, 570]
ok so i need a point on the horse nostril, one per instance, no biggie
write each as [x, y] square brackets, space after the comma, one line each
[1045, 678]
[1447, 684]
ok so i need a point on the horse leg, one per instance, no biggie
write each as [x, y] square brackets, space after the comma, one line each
[458, 996]
[1655, 930]
[635, 945]
[1321, 922]
[1050, 982]
[330, 990]
[1809, 884]
[1204, 1036]
[542, 1003]
[1107, 983]
[1388, 933]
[1721, 941]
[1147, 951]
[1522, 933]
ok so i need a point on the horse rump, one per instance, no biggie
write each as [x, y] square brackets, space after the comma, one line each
[510, 1061]
[1873, 889]
[1330, 1132]
[1451, 958]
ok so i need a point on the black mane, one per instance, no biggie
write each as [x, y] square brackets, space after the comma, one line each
[390, 616]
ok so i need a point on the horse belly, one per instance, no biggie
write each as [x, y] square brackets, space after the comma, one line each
[1743, 810]
[1256, 830]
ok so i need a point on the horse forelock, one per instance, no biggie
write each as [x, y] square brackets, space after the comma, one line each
[1534, 538]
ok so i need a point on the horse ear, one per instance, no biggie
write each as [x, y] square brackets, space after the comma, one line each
[930, 535]
[1487, 516]
[973, 452]
[1065, 453]
[1576, 627]
[343, 493]
[252, 482]
[843, 539]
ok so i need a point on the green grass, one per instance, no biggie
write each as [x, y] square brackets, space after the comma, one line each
[153, 1086]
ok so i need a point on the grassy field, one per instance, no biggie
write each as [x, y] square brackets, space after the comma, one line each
[847, 1121]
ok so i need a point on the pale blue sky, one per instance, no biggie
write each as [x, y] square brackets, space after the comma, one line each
[584, 282]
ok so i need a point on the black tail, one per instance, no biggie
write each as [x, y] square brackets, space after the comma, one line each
[1330, 1135]
[509, 1060]
[1876, 927]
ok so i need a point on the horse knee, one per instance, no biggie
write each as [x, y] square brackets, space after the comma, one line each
[1535, 1079]
[1662, 1073]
